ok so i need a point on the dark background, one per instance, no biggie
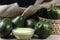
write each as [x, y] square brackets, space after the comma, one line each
[22, 3]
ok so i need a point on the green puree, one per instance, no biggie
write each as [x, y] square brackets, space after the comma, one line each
[23, 33]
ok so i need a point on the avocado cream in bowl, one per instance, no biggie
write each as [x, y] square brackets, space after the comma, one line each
[23, 33]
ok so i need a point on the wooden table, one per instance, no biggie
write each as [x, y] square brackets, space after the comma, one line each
[52, 37]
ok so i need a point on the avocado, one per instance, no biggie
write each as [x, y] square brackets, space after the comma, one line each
[54, 12]
[43, 29]
[34, 16]
[42, 13]
[18, 21]
[5, 27]
[31, 23]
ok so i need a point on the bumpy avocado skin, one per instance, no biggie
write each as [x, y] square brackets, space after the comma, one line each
[54, 13]
[42, 13]
[18, 21]
[5, 27]
[31, 23]
[43, 29]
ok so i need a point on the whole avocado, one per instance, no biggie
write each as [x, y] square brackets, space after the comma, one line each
[18, 21]
[54, 12]
[42, 12]
[5, 27]
[31, 23]
[43, 29]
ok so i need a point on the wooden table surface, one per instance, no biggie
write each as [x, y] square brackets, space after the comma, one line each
[52, 37]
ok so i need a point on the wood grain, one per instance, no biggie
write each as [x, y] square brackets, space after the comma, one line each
[52, 37]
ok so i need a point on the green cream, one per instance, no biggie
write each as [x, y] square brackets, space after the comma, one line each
[23, 33]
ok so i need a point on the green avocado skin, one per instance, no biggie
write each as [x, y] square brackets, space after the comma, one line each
[43, 29]
[42, 12]
[18, 21]
[31, 23]
[54, 13]
[5, 27]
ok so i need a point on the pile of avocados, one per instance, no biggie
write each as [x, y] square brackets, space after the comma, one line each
[42, 29]
[51, 13]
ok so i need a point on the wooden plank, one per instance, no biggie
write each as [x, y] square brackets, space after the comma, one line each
[52, 37]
